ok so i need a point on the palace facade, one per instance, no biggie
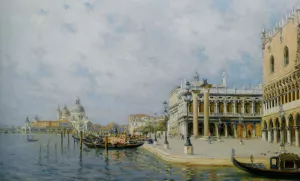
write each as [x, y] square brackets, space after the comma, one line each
[281, 76]
[234, 112]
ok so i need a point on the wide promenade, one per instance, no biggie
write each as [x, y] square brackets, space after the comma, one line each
[217, 153]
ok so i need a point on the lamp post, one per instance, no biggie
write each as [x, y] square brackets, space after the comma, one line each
[187, 98]
[166, 143]
[282, 144]
[155, 120]
[241, 121]
[219, 129]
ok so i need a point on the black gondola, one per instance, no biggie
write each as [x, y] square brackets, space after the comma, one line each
[286, 166]
[75, 138]
[112, 146]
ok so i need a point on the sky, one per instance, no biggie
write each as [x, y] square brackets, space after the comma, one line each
[123, 57]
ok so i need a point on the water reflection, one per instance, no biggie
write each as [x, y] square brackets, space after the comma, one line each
[122, 165]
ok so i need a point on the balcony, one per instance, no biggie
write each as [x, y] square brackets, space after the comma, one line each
[286, 107]
[183, 114]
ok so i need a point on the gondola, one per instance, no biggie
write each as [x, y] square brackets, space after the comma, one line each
[286, 166]
[112, 146]
[75, 138]
[32, 139]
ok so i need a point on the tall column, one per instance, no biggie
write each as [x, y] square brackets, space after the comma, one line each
[195, 112]
[281, 135]
[217, 130]
[254, 131]
[289, 140]
[243, 107]
[264, 134]
[234, 107]
[216, 107]
[270, 135]
[297, 135]
[275, 135]
[234, 130]
[206, 88]
[225, 107]
[226, 133]
[252, 107]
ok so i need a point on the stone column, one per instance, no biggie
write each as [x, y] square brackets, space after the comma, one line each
[206, 88]
[275, 135]
[195, 112]
[234, 107]
[281, 135]
[244, 131]
[252, 107]
[217, 130]
[216, 107]
[254, 131]
[289, 138]
[297, 136]
[264, 134]
[225, 107]
[225, 127]
[235, 131]
[243, 107]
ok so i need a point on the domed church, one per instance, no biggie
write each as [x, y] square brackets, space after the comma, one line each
[76, 116]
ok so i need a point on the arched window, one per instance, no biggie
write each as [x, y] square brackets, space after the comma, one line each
[286, 55]
[272, 66]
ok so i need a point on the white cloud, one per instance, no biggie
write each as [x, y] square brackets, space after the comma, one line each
[121, 57]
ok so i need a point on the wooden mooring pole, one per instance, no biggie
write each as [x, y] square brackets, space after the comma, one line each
[80, 140]
[106, 145]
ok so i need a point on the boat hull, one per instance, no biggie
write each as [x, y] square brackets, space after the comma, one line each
[111, 146]
[264, 172]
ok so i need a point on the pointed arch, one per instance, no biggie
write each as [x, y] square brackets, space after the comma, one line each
[286, 56]
[298, 119]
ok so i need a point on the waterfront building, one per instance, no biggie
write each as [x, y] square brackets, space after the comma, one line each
[281, 76]
[138, 120]
[76, 116]
[232, 111]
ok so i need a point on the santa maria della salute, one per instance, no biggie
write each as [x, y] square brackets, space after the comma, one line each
[75, 119]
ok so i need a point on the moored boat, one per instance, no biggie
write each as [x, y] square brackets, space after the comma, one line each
[75, 138]
[32, 139]
[128, 145]
[285, 165]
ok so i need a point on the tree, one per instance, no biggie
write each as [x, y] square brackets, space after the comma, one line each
[161, 125]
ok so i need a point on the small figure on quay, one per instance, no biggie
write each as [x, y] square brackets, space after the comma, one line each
[188, 141]
[241, 141]
[209, 138]
[251, 158]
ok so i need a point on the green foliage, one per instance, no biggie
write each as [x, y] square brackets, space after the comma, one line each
[161, 125]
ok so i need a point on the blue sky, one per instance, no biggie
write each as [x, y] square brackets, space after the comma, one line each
[121, 57]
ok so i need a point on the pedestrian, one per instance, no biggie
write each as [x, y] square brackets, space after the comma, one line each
[209, 138]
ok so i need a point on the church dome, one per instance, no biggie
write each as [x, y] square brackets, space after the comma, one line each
[65, 111]
[77, 108]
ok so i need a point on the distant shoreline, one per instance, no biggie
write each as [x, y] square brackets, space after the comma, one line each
[199, 161]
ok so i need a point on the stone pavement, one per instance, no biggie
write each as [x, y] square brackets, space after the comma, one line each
[217, 153]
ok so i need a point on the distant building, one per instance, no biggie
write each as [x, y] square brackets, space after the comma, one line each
[238, 111]
[138, 120]
[66, 120]
[76, 116]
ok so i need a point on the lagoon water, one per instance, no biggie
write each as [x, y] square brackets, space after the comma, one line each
[20, 160]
